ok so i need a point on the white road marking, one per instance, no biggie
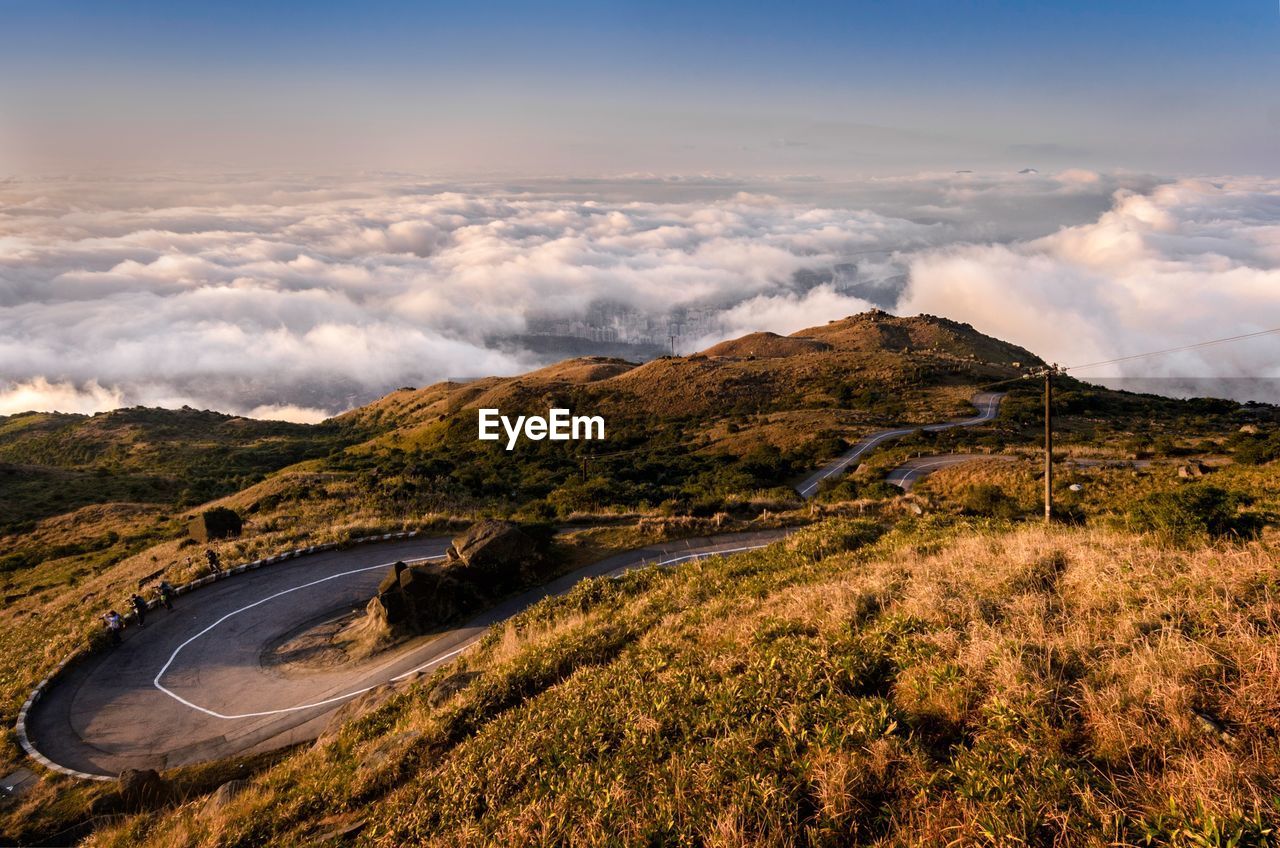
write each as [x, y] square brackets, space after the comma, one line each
[705, 554]
[914, 472]
[156, 681]
[986, 412]
[436, 661]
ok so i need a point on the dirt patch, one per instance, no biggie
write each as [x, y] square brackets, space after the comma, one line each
[319, 644]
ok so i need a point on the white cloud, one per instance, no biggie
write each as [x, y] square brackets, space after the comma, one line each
[1187, 262]
[288, 412]
[42, 396]
[786, 313]
[301, 297]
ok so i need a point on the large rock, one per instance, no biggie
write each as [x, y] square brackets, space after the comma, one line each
[496, 554]
[487, 562]
[450, 686]
[216, 523]
[432, 595]
[1193, 470]
[224, 795]
[141, 788]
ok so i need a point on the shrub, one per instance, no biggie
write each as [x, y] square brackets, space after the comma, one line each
[1255, 449]
[1192, 512]
[849, 489]
[834, 537]
[990, 501]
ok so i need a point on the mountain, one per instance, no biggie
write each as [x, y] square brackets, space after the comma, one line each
[924, 669]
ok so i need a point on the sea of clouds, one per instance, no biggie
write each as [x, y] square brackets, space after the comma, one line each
[296, 298]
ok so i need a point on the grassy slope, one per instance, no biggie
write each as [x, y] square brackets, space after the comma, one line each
[711, 412]
[679, 429]
[54, 463]
[948, 683]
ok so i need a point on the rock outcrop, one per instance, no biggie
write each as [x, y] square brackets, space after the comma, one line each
[222, 797]
[490, 560]
[142, 788]
[1193, 470]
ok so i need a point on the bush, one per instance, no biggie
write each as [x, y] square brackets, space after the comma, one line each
[1255, 449]
[1192, 512]
[847, 489]
[834, 537]
[990, 501]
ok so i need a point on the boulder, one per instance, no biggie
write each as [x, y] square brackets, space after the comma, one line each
[389, 605]
[216, 523]
[434, 596]
[141, 788]
[1193, 470]
[487, 562]
[357, 707]
[497, 551]
[392, 577]
[450, 686]
[223, 795]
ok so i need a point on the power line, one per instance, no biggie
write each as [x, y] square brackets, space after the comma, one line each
[1195, 346]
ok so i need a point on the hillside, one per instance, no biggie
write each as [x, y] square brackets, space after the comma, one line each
[692, 432]
[937, 683]
[679, 427]
[821, 365]
[711, 440]
[53, 462]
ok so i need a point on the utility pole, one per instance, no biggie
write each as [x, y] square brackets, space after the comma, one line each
[1048, 445]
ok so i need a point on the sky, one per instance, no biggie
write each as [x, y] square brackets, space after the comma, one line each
[605, 88]
[286, 209]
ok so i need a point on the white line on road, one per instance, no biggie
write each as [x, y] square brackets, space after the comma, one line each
[986, 412]
[436, 661]
[156, 681]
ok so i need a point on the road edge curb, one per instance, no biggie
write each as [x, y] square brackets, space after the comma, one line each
[20, 726]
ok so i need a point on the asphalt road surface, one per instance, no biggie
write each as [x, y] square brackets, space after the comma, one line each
[195, 684]
[987, 403]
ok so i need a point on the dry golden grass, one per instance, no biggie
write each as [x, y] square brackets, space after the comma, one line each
[984, 686]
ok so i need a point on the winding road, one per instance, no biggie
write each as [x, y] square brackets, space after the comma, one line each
[205, 681]
[987, 403]
[198, 683]
[912, 471]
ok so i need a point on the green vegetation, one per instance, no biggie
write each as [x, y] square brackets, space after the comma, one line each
[1194, 512]
[989, 500]
[918, 669]
[53, 463]
[941, 683]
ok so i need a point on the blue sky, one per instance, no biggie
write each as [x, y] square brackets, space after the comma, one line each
[604, 87]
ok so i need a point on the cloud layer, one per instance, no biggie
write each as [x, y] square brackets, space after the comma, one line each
[1187, 262]
[298, 298]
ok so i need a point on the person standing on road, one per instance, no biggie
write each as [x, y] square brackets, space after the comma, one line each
[114, 625]
[166, 593]
[139, 608]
